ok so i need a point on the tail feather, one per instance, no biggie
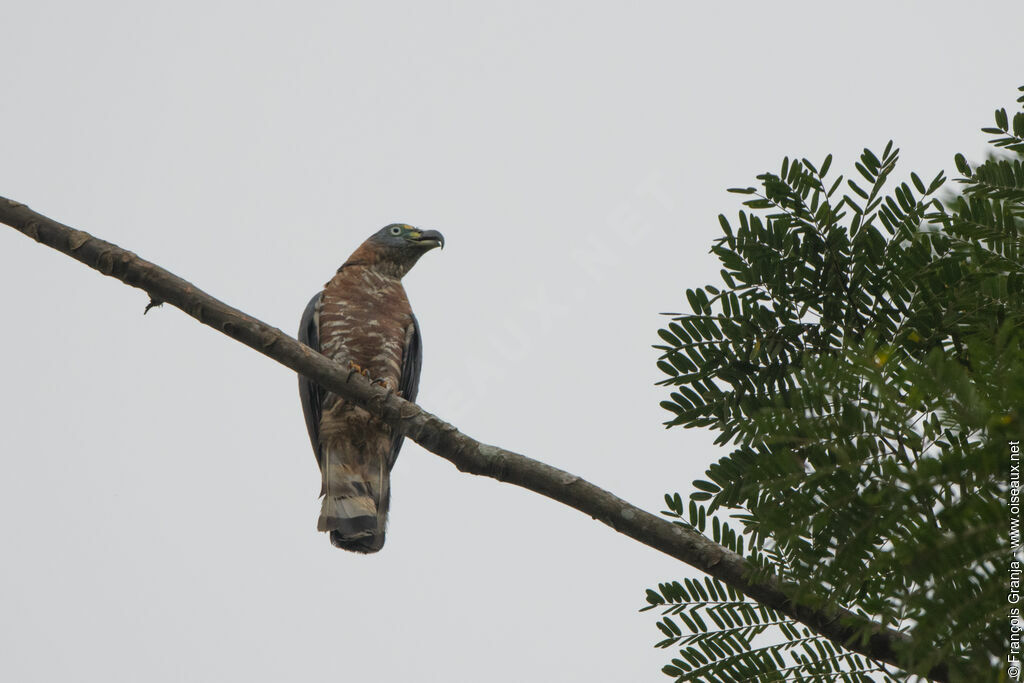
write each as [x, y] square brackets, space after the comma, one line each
[368, 544]
[350, 516]
[355, 504]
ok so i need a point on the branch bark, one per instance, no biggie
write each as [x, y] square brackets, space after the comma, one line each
[468, 455]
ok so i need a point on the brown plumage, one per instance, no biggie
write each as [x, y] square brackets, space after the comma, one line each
[363, 320]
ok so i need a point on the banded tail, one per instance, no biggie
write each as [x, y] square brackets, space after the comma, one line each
[355, 502]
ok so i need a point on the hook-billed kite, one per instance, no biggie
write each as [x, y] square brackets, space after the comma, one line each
[362, 319]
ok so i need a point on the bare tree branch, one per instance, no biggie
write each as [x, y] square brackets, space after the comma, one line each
[468, 455]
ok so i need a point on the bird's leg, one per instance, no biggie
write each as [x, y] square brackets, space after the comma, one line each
[387, 384]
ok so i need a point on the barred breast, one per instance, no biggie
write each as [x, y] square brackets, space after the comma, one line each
[364, 316]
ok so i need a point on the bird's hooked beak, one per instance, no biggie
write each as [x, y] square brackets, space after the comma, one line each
[427, 238]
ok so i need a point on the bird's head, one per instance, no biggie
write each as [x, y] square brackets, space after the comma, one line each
[396, 248]
[402, 237]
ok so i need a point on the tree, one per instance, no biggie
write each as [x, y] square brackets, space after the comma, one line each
[864, 358]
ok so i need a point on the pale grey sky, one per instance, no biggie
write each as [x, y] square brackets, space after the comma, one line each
[159, 496]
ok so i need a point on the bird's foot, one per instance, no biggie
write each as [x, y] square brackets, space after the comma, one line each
[384, 382]
[356, 368]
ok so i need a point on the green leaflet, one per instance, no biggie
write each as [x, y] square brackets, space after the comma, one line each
[863, 358]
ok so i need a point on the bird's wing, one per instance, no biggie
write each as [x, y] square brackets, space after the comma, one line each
[409, 382]
[310, 392]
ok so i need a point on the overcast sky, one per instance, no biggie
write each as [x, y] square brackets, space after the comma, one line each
[158, 500]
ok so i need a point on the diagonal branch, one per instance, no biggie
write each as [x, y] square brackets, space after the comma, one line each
[468, 455]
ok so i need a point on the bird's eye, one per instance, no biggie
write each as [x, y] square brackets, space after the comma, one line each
[396, 230]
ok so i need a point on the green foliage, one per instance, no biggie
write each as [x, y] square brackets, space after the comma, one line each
[723, 626]
[865, 360]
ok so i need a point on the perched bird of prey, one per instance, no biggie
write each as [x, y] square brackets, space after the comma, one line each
[362, 319]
